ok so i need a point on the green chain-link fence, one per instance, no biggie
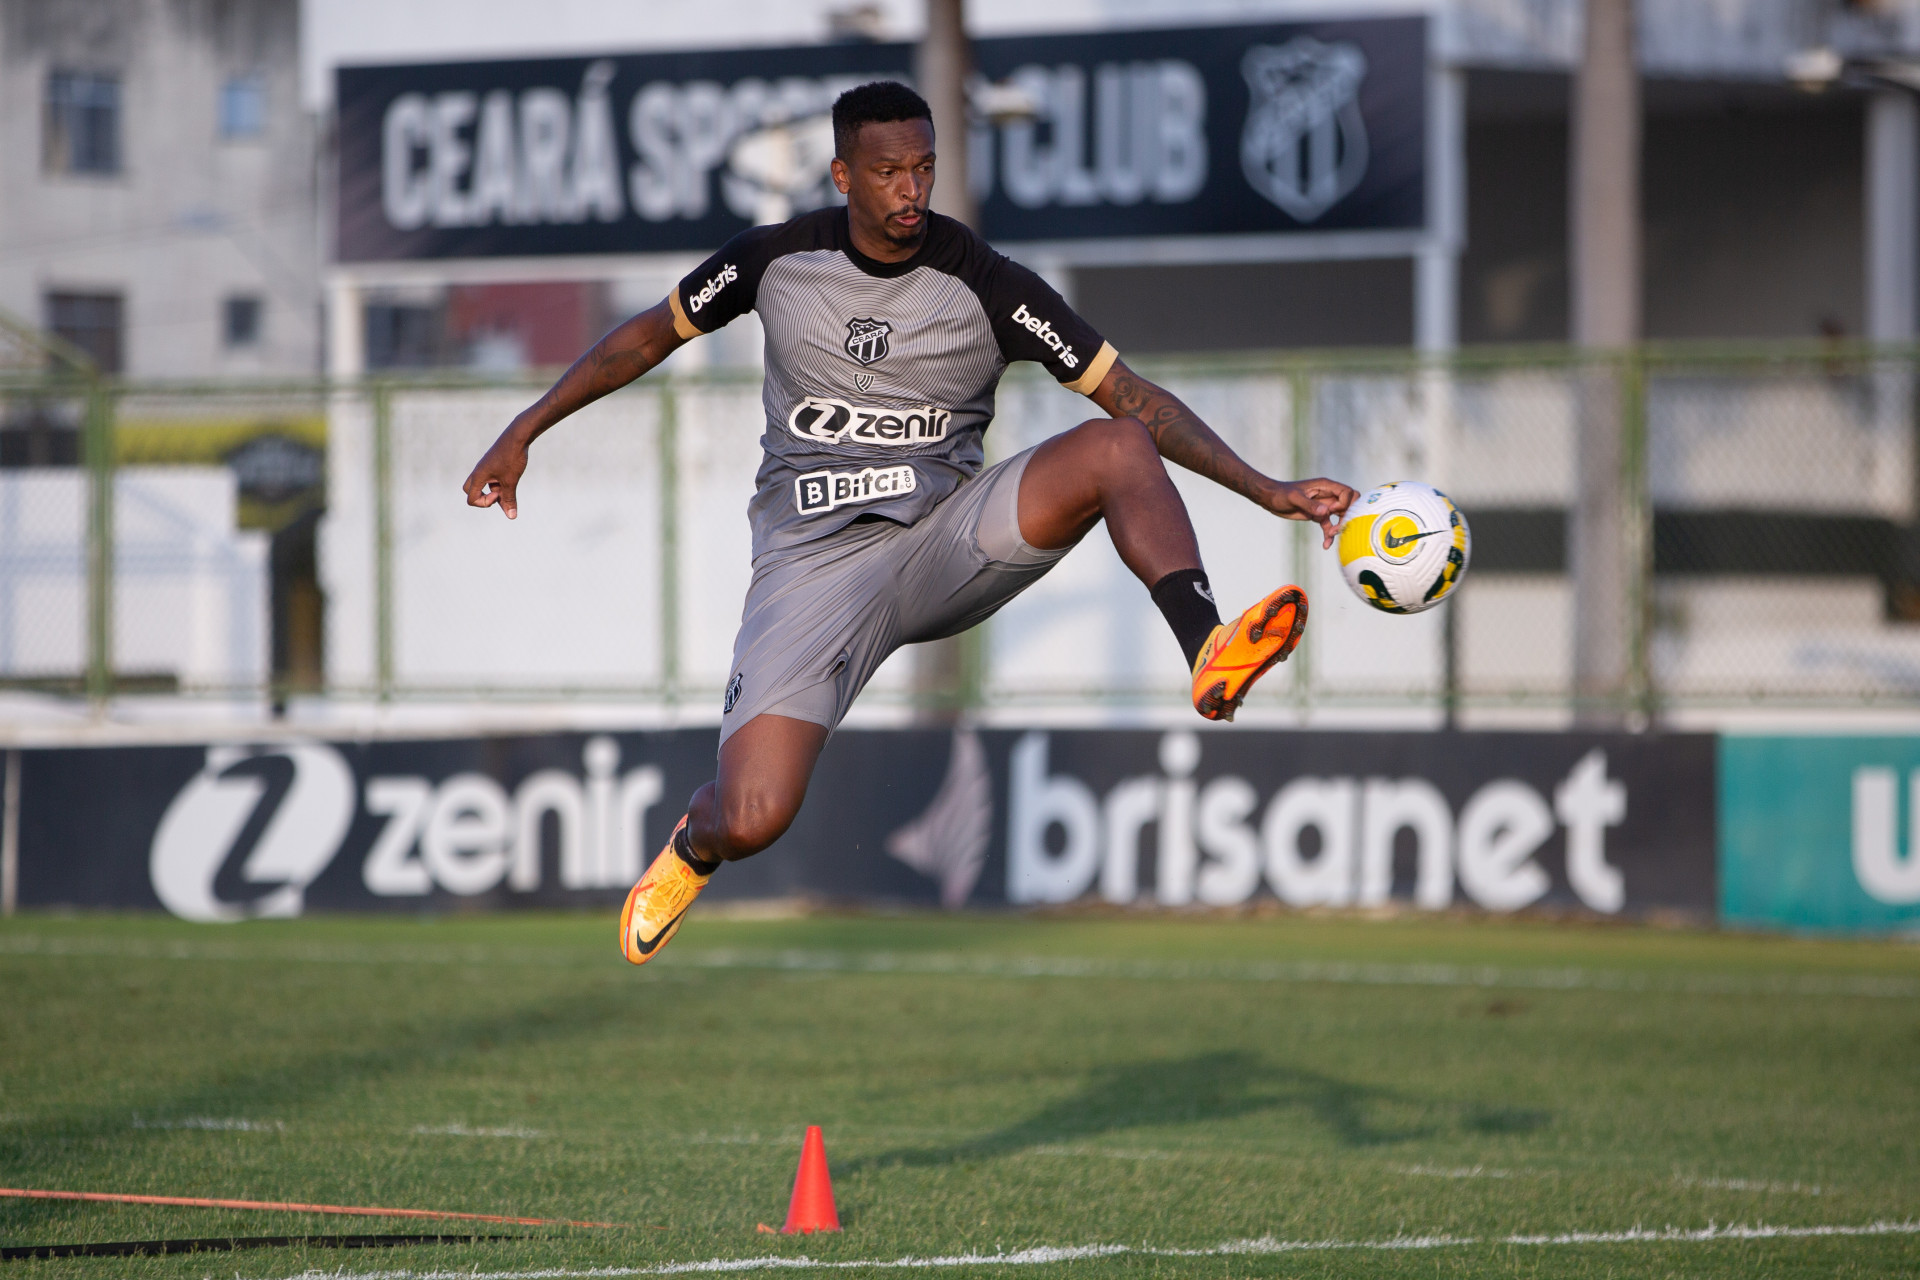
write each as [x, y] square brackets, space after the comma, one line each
[303, 540]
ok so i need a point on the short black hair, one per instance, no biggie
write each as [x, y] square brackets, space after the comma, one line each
[881, 102]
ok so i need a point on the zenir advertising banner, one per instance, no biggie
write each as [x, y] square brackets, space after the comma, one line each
[1282, 127]
[1612, 824]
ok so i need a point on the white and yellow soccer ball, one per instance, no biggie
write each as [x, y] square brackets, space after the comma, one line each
[1404, 547]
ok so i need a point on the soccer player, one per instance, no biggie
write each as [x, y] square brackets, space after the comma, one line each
[874, 521]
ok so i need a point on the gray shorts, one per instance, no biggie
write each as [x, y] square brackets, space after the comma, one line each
[821, 618]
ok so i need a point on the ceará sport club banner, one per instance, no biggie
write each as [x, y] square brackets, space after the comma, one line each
[1276, 128]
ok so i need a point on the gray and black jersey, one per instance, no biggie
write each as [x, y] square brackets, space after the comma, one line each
[880, 376]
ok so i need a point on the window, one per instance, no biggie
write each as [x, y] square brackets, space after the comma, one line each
[240, 321]
[82, 133]
[91, 322]
[402, 336]
[243, 107]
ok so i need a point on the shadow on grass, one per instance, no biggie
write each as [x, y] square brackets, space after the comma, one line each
[1208, 1086]
[96, 1135]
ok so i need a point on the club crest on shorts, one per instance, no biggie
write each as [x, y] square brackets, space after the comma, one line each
[733, 694]
[867, 339]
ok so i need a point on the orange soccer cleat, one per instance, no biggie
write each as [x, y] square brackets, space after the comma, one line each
[657, 904]
[1239, 652]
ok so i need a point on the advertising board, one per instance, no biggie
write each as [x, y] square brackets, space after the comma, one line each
[1613, 824]
[1275, 128]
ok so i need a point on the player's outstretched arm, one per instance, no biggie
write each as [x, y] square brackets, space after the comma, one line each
[1184, 439]
[624, 354]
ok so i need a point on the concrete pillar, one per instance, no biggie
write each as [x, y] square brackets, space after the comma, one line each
[1436, 281]
[1436, 313]
[345, 536]
[346, 330]
[1604, 243]
[941, 66]
[1892, 201]
[1605, 205]
[1893, 214]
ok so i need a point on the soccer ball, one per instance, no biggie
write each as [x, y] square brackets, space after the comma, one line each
[1403, 547]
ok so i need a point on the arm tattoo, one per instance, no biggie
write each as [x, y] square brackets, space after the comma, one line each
[1182, 437]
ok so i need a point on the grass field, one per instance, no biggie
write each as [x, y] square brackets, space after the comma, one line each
[1468, 1092]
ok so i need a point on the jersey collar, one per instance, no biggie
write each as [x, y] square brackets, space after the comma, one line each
[887, 270]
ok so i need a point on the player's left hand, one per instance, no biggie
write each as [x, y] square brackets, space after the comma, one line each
[1320, 500]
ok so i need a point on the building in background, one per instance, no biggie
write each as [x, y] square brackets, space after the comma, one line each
[158, 197]
[165, 196]
[1756, 207]
[160, 207]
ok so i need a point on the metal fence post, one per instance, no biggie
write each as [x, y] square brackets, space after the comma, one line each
[383, 541]
[1635, 488]
[669, 542]
[98, 447]
[1300, 392]
[10, 836]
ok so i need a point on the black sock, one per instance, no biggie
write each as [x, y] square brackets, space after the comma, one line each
[1186, 600]
[684, 847]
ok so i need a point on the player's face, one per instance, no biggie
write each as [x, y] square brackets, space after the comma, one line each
[888, 181]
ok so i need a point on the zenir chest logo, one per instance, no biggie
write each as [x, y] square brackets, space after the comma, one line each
[867, 339]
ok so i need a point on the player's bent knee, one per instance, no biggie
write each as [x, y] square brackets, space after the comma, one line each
[1118, 444]
[751, 823]
[1127, 452]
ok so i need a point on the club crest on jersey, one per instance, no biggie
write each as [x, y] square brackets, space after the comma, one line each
[867, 339]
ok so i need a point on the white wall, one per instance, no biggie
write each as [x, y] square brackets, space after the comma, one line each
[190, 589]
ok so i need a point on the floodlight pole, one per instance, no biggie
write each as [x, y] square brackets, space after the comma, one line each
[941, 66]
[1604, 240]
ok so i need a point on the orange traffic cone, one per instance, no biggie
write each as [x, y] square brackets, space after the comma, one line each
[812, 1206]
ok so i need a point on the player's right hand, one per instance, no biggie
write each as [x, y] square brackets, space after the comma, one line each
[497, 475]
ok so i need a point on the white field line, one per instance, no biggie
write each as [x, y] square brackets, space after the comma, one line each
[955, 964]
[1749, 1184]
[1051, 1254]
[1430, 1171]
[462, 1131]
[213, 1124]
[1298, 971]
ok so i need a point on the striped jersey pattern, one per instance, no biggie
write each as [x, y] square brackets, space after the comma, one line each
[880, 377]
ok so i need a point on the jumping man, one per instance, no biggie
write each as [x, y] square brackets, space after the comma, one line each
[874, 523]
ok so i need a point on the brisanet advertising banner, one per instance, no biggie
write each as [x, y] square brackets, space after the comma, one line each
[1611, 824]
[1281, 127]
[1820, 833]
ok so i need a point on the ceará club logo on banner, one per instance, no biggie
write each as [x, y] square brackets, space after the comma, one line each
[251, 832]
